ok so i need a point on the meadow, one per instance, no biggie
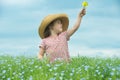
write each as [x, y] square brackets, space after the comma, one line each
[80, 68]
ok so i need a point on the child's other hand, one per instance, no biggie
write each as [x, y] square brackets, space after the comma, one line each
[40, 57]
[41, 53]
[82, 12]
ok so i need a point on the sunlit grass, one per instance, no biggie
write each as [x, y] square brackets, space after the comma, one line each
[80, 68]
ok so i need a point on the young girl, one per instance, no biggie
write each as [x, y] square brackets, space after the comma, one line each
[54, 34]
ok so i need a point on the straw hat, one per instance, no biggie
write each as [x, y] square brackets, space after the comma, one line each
[48, 19]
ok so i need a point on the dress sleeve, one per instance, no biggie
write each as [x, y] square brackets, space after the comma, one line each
[66, 35]
[42, 45]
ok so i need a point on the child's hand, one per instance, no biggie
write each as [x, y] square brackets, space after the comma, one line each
[82, 13]
[41, 53]
[40, 57]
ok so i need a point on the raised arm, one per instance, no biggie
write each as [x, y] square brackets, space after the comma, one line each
[71, 31]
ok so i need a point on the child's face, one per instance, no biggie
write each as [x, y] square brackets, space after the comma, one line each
[57, 26]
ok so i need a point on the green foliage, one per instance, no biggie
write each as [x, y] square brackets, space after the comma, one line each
[80, 68]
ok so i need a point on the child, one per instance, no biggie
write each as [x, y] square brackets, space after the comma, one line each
[54, 34]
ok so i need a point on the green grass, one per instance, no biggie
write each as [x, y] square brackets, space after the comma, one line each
[80, 68]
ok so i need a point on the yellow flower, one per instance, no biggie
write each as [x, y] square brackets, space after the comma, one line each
[84, 3]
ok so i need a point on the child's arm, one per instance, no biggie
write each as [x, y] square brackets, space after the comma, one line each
[71, 31]
[41, 53]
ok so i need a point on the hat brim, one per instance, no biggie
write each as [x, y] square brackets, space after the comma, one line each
[48, 19]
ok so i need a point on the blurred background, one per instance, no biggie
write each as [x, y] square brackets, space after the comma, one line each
[98, 35]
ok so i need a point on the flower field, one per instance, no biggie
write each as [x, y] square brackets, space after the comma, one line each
[80, 68]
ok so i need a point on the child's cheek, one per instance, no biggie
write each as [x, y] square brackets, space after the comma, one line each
[60, 26]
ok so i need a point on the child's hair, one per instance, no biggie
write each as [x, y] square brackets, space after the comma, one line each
[47, 32]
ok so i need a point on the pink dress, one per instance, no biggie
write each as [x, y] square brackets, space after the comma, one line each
[56, 48]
